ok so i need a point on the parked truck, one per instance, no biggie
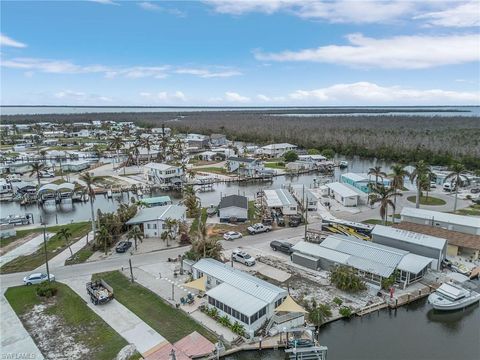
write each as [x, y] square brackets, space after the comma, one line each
[99, 291]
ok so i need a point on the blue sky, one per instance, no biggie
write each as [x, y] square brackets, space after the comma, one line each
[256, 53]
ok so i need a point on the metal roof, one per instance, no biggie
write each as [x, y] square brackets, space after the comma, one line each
[414, 263]
[279, 146]
[241, 280]
[279, 197]
[55, 187]
[409, 237]
[157, 199]
[174, 212]
[356, 177]
[440, 216]
[342, 189]
[237, 299]
[318, 251]
[158, 166]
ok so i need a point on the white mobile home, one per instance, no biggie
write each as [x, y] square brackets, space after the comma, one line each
[280, 199]
[276, 150]
[343, 194]
[463, 224]
[152, 220]
[162, 174]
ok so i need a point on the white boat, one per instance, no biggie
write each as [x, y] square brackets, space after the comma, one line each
[450, 296]
[109, 194]
[343, 164]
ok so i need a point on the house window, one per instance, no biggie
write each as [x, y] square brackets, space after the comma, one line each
[148, 226]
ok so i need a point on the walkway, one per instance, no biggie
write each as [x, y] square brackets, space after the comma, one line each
[121, 319]
[16, 341]
[24, 249]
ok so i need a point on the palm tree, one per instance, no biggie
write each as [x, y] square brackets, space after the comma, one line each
[381, 194]
[147, 143]
[318, 314]
[116, 143]
[191, 201]
[66, 235]
[89, 179]
[421, 171]
[377, 172]
[37, 169]
[457, 171]
[103, 238]
[169, 233]
[398, 176]
[136, 234]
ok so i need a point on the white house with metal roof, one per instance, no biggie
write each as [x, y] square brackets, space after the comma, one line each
[280, 199]
[163, 174]
[373, 262]
[343, 194]
[416, 243]
[464, 224]
[276, 150]
[152, 220]
[242, 297]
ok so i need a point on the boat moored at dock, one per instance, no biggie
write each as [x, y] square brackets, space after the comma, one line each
[450, 296]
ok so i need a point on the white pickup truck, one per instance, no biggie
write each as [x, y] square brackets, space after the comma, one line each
[258, 228]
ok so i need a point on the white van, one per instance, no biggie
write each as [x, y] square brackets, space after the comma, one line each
[448, 186]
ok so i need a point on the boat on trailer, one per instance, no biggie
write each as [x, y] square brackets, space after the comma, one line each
[451, 296]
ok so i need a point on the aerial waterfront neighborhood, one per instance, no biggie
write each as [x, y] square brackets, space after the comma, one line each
[239, 259]
[240, 180]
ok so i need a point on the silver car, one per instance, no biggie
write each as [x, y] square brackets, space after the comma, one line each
[37, 278]
[232, 235]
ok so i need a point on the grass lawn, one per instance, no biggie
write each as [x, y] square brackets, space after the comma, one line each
[427, 201]
[252, 212]
[212, 169]
[275, 165]
[20, 234]
[80, 256]
[76, 320]
[377, 222]
[473, 210]
[171, 323]
[55, 245]
[194, 227]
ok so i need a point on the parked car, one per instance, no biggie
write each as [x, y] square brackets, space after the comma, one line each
[448, 187]
[294, 221]
[475, 190]
[433, 185]
[242, 257]
[232, 235]
[123, 246]
[282, 246]
[280, 221]
[258, 228]
[46, 174]
[37, 278]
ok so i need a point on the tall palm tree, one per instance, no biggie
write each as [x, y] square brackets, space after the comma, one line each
[66, 235]
[420, 172]
[169, 233]
[381, 194]
[136, 235]
[147, 143]
[398, 176]
[89, 179]
[37, 169]
[116, 144]
[377, 172]
[103, 237]
[457, 171]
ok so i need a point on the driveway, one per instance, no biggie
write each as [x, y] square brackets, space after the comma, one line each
[24, 249]
[122, 320]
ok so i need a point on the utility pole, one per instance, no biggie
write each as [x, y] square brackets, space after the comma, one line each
[305, 209]
[45, 247]
[131, 270]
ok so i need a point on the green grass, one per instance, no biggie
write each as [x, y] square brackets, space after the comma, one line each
[194, 227]
[433, 201]
[212, 169]
[473, 210]
[55, 245]
[78, 320]
[20, 234]
[171, 323]
[275, 165]
[252, 211]
[80, 256]
[377, 222]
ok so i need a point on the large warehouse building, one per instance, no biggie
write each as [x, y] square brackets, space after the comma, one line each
[416, 243]
[373, 262]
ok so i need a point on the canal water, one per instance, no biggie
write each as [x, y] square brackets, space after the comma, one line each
[81, 211]
[412, 332]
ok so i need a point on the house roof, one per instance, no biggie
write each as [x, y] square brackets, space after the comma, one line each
[278, 146]
[413, 263]
[441, 216]
[249, 284]
[159, 166]
[240, 159]
[341, 189]
[237, 299]
[157, 199]
[453, 237]
[356, 177]
[174, 212]
[234, 200]
[279, 197]
[409, 237]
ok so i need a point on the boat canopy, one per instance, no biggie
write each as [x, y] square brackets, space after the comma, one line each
[55, 187]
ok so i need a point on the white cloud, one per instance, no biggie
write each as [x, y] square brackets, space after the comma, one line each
[105, 2]
[366, 93]
[231, 96]
[463, 15]
[180, 96]
[263, 97]
[131, 72]
[80, 97]
[366, 11]
[150, 6]
[163, 97]
[205, 73]
[146, 5]
[7, 41]
[400, 52]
